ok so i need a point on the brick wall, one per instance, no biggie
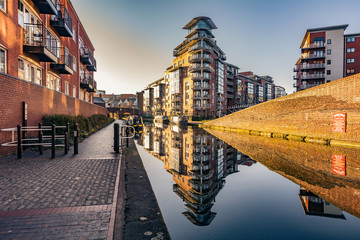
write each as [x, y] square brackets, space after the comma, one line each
[306, 113]
[40, 101]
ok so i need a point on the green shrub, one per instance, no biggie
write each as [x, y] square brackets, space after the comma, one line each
[86, 126]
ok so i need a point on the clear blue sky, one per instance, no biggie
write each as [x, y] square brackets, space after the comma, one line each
[134, 39]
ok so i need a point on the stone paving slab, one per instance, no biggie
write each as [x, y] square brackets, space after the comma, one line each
[70, 225]
[47, 183]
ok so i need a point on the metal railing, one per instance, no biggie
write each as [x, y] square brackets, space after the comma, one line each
[312, 65]
[38, 36]
[41, 141]
[313, 76]
[63, 17]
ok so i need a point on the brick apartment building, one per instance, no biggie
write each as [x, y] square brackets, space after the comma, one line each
[200, 83]
[44, 42]
[327, 54]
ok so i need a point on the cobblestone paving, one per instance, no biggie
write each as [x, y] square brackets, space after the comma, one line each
[83, 225]
[44, 183]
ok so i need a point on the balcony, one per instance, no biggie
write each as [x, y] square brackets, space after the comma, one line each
[296, 76]
[201, 106]
[296, 69]
[64, 64]
[199, 67]
[306, 86]
[40, 43]
[312, 66]
[86, 56]
[312, 76]
[197, 47]
[62, 22]
[314, 45]
[202, 86]
[87, 82]
[92, 67]
[295, 85]
[312, 56]
[198, 57]
[47, 6]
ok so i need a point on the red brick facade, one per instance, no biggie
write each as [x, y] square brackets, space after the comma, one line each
[40, 101]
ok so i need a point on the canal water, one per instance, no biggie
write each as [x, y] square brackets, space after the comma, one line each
[222, 185]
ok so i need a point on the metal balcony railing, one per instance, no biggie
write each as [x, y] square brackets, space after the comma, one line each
[46, 6]
[313, 76]
[314, 45]
[306, 86]
[39, 41]
[312, 66]
[86, 56]
[62, 22]
[310, 56]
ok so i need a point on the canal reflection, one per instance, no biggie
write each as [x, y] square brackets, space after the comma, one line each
[198, 163]
[329, 177]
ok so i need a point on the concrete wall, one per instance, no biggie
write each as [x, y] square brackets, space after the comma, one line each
[40, 101]
[305, 113]
[337, 54]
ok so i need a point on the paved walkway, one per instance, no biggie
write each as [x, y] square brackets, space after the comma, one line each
[69, 197]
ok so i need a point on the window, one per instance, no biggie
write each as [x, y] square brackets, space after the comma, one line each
[74, 33]
[67, 88]
[328, 51]
[53, 82]
[74, 64]
[328, 62]
[328, 72]
[74, 91]
[38, 76]
[21, 13]
[350, 50]
[329, 41]
[3, 5]
[350, 71]
[350, 39]
[350, 60]
[2, 60]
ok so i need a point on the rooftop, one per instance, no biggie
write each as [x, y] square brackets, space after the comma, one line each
[201, 18]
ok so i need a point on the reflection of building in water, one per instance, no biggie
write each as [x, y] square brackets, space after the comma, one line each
[198, 161]
[313, 205]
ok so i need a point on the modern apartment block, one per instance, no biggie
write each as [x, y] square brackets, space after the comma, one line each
[327, 54]
[199, 83]
[44, 42]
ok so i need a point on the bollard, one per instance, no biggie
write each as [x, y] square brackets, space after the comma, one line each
[40, 139]
[65, 141]
[76, 140]
[68, 134]
[66, 138]
[127, 137]
[19, 142]
[53, 141]
[116, 138]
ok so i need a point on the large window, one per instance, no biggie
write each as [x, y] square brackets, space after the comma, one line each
[220, 78]
[29, 71]
[53, 82]
[260, 93]
[175, 82]
[250, 93]
[350, 39]
[3, 5]
[2, 60]
[350, 50]
[350, 60]
[269, 91]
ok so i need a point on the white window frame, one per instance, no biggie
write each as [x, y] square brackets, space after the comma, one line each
[74, 91]
[3, 9]
[67, 88]
[5, 63]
